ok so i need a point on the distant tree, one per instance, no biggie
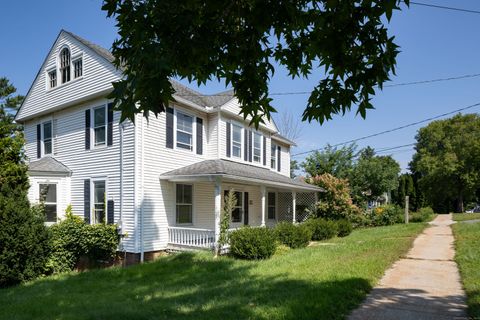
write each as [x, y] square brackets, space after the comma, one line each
[289, 126]
[239, 42]
[447, 161]
[406, 187]
[373, 175]
[338, 162]
[293, 168]
[23, 236]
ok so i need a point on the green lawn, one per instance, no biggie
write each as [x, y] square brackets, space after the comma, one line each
[467, 242]
[465, 216]
[324, 281]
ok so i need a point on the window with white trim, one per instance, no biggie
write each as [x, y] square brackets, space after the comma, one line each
[184, 131]
[99, 125]
[99, 197]
[238, 208]
[77, 68]
[184, 204]
[52, 79]
[236, 141]
[65, 65]
[48, 196]
[47, 137]
[272, 205]
[257, 147]
[273, 156]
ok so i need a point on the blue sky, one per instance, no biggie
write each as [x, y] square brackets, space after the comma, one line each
[435, 43]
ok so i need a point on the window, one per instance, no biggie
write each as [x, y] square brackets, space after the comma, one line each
[99, 125]
[184, 210]
[273, 156]
[238, 209]
[52, 78]
[65, 65]
[99, 201]
[272, 205]
[47, 137]
[77, 68]
[257, 146]
[184, 131]
[48, 196]
[236, 141]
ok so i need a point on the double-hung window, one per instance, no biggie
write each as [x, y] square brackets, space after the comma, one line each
[77, 68]
[272, 205]
[273, 156]
[65, 65]
[52, 79]
[48, 196]
[236, 141]
[184, 131]
[257, 146]
[184, 204]
[238, 209]
[99, 201]
[99, 125]
[47, 137]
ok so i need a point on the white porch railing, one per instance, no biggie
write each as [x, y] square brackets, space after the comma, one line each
[191, 237]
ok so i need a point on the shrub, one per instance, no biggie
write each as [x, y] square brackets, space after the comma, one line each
[73, 239]
[385, 215]
[322, 229]
[292, 235]
[422, 215]
[252, 243]
[24, 239]
[344, 227]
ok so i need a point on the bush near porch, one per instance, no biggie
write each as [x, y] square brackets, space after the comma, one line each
[317, 282]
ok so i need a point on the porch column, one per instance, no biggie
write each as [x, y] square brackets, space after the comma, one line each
[316, 196]
[294, 205]
[218, 208]
[263, 192]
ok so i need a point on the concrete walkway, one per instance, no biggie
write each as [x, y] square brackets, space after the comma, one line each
[423, 285]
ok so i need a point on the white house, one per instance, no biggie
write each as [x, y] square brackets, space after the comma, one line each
[162, 181]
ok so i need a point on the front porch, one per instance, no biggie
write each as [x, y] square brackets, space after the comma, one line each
[194, 222]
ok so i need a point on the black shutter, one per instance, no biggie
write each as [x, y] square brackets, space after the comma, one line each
[199, 135]
[250, 146]
[264, 150]
[245, 142]
[39, 141]
[86, 200]
[110, 124]
[229, 138]
[245, 208]
[169, 133]
[279, 158]
[110, 211]
[87, 129]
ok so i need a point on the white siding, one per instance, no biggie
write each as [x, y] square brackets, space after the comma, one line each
[101, 162]
[97, 76]
[233, 107]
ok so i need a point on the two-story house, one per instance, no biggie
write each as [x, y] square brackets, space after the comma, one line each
[162, 181]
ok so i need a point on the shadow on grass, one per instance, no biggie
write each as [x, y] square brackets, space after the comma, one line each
[184, 286]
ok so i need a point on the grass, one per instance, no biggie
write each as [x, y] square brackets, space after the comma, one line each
[318, 282]
[467, 242]
[465, 216]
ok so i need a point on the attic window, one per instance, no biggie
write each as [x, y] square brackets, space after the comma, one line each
[77, 68]
[52, 78]
[65, 65]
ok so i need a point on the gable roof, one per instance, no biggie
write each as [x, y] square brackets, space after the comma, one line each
[48, 165]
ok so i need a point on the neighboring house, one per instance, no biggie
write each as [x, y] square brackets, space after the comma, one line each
[162, 181]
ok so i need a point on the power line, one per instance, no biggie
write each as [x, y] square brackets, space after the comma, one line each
[444, 7]
[466, 76]
[394, 129]
[393, 148]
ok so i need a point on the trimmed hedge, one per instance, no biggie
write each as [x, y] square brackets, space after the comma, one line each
[344, 227]
[322, 229]
[252, 243]
[292, 235]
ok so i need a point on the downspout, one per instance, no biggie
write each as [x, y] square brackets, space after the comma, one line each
[142, 254]
[218, 132]
[122, 248]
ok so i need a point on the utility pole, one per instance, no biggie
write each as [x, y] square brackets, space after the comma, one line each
[406, 209]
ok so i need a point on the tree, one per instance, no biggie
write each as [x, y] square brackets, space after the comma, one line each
[406, 187]
[289, 126]
[373, 175]
[23, 236]
[293, 167]
[335, 161]
[447, 160]
[239, 41]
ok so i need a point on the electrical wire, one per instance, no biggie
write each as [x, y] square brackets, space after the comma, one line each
[443, 7]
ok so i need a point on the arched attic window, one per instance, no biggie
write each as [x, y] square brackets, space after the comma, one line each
[65, 65]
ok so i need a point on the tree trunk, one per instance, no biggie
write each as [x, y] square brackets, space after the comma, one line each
[460, 203]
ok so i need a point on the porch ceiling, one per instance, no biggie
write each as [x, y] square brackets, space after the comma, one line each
[234, 171]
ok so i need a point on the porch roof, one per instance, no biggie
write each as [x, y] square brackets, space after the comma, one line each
[48, 166]
[236, 171]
